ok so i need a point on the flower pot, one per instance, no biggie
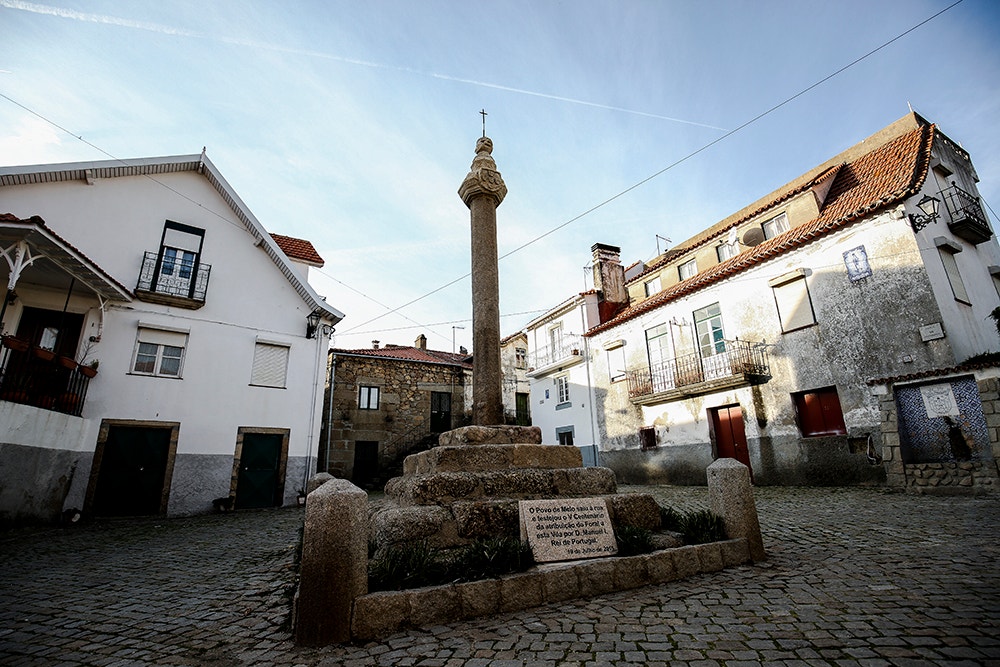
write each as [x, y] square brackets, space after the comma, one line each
[16, 344]
[87, 371]
[67, 362]
[44, 354]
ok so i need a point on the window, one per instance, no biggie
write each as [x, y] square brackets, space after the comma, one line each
[647, 437]
[616, 363]
[159, 352]
[819, 412]
[658, 345]
[182, 260]
[368, 398]
[948, 249]
[652, 286]
[270, 365]
[708, 328]
[564, 435]
[562, 388]
[774, 226]
[555, 339]
[520, 357]
[727, 250]
[688, 269]
[791, 296]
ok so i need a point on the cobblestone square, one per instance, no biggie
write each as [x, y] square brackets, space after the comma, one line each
[855, 577]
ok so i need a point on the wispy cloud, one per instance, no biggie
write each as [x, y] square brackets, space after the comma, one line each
[162, 29]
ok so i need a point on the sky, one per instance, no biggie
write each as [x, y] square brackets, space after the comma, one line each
[626, 122]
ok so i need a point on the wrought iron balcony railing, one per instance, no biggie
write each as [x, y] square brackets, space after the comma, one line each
[742, 362]
[569, 346]
[35, 376]
[967, 219]
[178, 282]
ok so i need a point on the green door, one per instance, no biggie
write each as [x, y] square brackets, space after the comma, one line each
[258, 484]
[133, 471]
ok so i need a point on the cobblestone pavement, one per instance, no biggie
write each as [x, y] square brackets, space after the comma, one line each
[860, 577]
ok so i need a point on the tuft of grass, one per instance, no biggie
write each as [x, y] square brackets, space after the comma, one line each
[405, 566]
[701, 527]
[633, 540]
[414, 565]
[671, 519]
[492, 557]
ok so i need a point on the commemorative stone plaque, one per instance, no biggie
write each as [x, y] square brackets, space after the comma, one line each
[567, 529]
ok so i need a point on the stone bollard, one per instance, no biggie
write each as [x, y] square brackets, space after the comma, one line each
[334, 567]
[731, 497]
[317, 480]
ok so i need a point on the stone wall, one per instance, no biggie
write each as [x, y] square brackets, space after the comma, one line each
[403, 416]
[944, 477]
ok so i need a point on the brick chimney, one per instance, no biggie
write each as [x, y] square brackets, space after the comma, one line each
[609, 280]
[421, 342]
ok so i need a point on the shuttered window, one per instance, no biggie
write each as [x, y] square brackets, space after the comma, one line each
[270, 365]
[954, 277]
[819, 412]
[791, 296]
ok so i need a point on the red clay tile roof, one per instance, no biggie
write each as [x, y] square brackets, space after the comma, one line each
[299, 249]
[408, 353]
[874, 181]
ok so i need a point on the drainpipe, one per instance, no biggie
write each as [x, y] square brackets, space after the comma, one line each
[320, 339]
[329, 414]
[590, 385]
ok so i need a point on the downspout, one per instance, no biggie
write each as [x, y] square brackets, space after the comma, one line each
[590, 385]
[320, 338]
[329, 415]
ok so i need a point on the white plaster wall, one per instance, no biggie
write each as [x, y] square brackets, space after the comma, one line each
[114, 222]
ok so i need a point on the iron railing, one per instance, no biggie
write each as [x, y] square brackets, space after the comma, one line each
[186, 279]
[34, 376]
[968, 220]
[569, 345]
[740, 360]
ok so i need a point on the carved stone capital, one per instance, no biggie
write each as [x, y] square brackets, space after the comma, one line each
[483, 178]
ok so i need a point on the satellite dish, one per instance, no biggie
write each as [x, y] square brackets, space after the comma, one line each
[753, 236]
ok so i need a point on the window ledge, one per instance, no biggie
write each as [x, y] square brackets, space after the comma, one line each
[563, 406]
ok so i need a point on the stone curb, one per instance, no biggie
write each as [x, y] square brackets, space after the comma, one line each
[378, 615]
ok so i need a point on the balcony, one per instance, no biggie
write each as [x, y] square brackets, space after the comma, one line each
[177, 283]
[567, 352]
[967, 219]
[743, 363]
[35, 376]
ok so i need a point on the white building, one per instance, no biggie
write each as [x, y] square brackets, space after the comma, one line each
[211, 344]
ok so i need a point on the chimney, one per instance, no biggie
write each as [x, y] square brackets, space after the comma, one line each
[609, 280]
[421, 342]
[374, 344]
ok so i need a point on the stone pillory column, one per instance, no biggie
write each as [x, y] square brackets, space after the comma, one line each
[482, 191]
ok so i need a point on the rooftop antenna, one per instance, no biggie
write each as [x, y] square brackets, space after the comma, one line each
[909, 106]
[666, 243]
[484, 115]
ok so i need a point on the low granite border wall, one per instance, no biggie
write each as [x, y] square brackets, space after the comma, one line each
[378, 615]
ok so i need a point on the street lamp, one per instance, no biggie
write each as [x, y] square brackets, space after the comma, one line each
[453, 338]
[929, 206]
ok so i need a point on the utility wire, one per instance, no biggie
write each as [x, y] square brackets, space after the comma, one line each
[679, 161]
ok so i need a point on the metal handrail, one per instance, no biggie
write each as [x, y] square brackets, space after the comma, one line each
[739, 358]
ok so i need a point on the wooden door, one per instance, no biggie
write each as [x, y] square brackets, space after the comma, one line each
[440, 411]
[730, 437]
[133, 471]
[260, 460]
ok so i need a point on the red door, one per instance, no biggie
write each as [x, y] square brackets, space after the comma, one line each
[730, 438]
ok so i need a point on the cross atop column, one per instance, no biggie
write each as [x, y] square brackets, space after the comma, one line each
[484, 115]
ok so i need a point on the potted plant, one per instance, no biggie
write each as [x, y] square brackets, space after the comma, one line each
[45, 354]
[90, 369]
[15, 343]
[67, 362]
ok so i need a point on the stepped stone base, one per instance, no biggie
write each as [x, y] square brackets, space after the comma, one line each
[469, 485]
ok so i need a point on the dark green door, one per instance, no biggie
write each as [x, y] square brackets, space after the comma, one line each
[521, 407]
[133, 471]
[258, 484]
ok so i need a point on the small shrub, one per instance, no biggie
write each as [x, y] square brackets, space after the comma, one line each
[671, 519]
[491, 557]
[633, 540]
[405, 566]
[701, 527]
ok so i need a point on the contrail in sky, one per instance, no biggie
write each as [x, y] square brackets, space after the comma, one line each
[178, 32]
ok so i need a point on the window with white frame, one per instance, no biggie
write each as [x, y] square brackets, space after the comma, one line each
[616, 360]
[688, 269]
[368, 398]
[727, 250]
[555, 338]
[791, 296]
[562, 388]
[520, 357]
[948, 249]
[658, 345]
[270, 364]
[708, 328]
[774, 226]
[652, 286]
[159, 352]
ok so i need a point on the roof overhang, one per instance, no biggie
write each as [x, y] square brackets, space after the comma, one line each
[44, 243]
